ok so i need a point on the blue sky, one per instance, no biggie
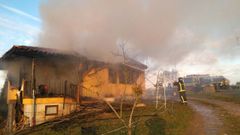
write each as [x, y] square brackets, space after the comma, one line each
[19, 23]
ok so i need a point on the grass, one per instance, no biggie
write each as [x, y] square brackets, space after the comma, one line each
[226, 95]
[174, 121]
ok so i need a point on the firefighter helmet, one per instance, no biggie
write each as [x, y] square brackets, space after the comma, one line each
[180, 79]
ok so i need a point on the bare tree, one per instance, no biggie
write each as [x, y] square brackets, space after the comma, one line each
[122, 46]
[136, 93]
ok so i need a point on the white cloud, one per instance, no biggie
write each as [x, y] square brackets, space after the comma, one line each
[18, 26]
[19, 12]
[16, 32]
[27, 41]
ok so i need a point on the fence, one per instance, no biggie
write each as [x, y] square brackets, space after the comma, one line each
[55, 88]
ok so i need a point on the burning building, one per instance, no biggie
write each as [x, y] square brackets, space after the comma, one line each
[46, 83]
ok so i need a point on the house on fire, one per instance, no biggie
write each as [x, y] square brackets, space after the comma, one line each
[45, 83]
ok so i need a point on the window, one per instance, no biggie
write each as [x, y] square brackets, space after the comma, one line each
[51, 110]
[128, 75]
[123, 75]
[112, 75]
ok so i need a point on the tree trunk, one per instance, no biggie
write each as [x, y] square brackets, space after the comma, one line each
[129, 130]
[130, 118]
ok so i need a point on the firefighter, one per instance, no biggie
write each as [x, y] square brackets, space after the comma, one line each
[181, 90]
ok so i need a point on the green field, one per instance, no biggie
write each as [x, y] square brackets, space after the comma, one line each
[224, 95]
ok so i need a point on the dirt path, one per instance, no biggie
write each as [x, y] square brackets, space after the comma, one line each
[196, 126]
[210, 122]
[230, 107]
[205, 121]
[214, 112]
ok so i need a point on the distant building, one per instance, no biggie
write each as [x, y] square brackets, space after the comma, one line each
[191, 81]
[203, 80]
[197, 79]
[218, 79]
[238, 84]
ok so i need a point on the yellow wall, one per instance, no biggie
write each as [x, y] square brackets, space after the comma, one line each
[48, 100]
[70, 106]
[12, 95]
[97, 82]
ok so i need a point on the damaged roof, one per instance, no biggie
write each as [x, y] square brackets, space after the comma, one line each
[35, 52]
[133, 63]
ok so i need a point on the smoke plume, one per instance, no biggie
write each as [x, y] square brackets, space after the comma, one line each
[167, 31]
[95, 28]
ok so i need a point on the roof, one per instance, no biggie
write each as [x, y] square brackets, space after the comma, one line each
[133, 63]
[35, 52]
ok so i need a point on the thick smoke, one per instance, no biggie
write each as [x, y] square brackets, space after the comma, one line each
[95, 28]
[168, 31]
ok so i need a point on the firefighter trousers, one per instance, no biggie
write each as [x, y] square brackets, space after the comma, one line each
[183, 97]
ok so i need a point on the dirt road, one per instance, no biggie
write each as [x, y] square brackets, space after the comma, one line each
[209, 123]
[230, 107]
[212, 123]
[205, 121]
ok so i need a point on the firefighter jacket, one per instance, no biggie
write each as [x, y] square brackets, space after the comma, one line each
[181, 86]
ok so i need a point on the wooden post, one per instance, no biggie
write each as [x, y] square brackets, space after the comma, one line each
[164, 91]
[10, 103]
[78, 93]
[10, 117]
[34, 92]
[157, 87]
[64, 96]
[165, 97]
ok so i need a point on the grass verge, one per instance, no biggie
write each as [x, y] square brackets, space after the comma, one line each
[226, 95]
[147, 121]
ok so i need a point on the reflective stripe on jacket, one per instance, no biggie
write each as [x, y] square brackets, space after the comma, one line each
[180, 88]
